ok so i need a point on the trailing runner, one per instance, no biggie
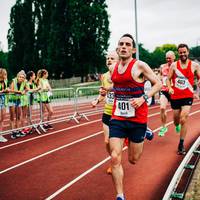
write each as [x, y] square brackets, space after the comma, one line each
[164, 93]
[180, 83]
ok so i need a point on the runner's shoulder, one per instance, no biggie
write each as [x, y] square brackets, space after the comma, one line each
[195, 64]
[142, 64]
[173, 65]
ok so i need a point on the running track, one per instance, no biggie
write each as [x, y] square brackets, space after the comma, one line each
[69, 162]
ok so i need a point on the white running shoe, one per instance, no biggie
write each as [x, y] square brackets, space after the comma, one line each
[3, 139]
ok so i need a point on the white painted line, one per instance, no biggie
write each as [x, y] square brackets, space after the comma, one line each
[49, 152]
[47, 134]
[77, 179]
[94, 167]
[54, 132]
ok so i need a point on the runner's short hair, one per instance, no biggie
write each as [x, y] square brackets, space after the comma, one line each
[130, 36]
[170, 53]
[182, 46]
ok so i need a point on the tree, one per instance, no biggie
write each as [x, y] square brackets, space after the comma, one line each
[195, 52]
[64, 36]
[158, 55]
[3, 59]
[21, 37]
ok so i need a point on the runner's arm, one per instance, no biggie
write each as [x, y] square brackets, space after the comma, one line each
[152, 77]
[198, 73]
[169, 78]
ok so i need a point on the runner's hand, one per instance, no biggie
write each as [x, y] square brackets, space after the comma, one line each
[94, 103]
[137, 102]
[171, 91]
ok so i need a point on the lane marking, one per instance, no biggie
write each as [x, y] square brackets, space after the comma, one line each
[77, 179]
[96, 166]
[49, 152]
[47, 134]
[54, 132]
[77, 141]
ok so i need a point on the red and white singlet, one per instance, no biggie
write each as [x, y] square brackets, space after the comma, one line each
[125, 88]
[164, 72]
[183, 81]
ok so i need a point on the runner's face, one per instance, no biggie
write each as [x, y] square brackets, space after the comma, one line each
[183, 54]
[111, 59]
[125, 48]
[169, 59]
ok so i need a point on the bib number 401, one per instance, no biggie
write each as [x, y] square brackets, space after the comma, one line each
[124, 105]
[124, 109]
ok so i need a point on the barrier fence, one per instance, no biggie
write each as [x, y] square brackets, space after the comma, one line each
[28, 111]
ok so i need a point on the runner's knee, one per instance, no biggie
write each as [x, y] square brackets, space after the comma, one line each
[183, 119]
[133, 159]
[115, 158]
[162, 109]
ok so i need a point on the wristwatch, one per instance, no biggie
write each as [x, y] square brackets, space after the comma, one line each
[145, 97]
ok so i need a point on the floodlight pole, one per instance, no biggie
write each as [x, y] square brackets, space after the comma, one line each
[136, 32]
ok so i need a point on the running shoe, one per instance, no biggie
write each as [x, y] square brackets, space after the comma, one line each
[149, 134]
[119, 198]
[3, 139]
[49, 126]
[26, 130]
[181, 150]
[14, 135]
[178, 128]
[109, 170]
[45, 126]
[20, 134]
[162, 131]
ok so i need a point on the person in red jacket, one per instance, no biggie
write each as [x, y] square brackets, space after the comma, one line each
[180, 83]
[129, 114]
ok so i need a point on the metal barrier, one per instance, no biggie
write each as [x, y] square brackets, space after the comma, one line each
[60, 99]
[63, 97]
[171, 190]
[83, 91]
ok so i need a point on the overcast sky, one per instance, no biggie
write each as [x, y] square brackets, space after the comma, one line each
[159, 21]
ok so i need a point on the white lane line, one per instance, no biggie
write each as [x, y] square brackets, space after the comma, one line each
[96, 166]
[47, 134]
[49, 152]
[77, 179]
[54, 132]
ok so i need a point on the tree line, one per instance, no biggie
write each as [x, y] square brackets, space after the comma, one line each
[66, 37]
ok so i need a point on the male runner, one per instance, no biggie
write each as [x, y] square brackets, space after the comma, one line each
[164, 95]
[129, 116]
[180, 82]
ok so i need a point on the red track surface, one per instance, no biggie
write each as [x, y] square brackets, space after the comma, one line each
[36, 166]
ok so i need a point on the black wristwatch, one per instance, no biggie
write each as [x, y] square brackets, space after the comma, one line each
[145, 97]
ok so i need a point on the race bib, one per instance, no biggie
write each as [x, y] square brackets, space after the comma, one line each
[110, 98]
[164, 80]
[124, 109]
[181, 83]
[147, 88]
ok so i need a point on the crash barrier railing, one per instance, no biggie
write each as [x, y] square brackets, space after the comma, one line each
[60, 100]
[35, 107]
[171, 192]
[89, 92]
